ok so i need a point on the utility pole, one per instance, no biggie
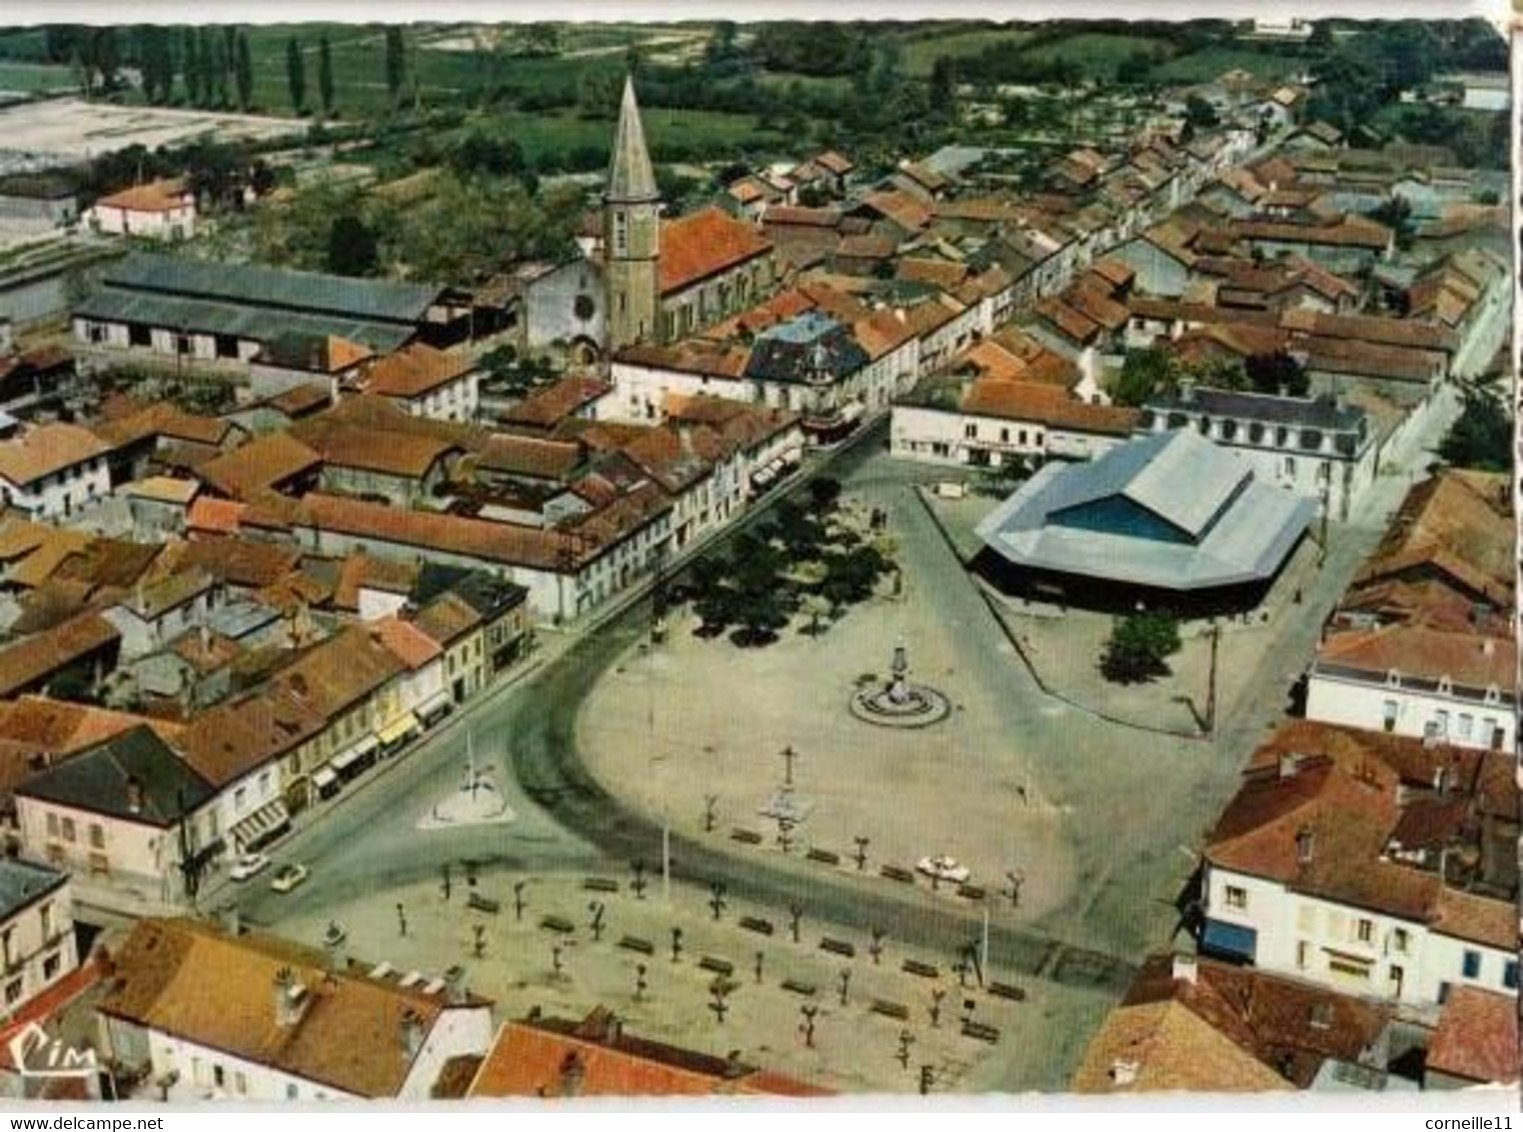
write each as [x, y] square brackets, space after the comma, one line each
[1216, 637]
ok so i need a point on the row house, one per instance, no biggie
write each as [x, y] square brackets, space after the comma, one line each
[52, 471]
[1312, 447]
[1368, 863]
[37, 942]
[1452, 687]
[427, 382]
[199, 1012]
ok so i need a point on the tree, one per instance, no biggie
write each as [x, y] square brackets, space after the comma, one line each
[296, 76]
[1481, 436]
[1277, 373]
[245, 76]
[1200, 113]
[539, 39]
[325, 76]
[1145, 372]
[824, 495]
[396, 63]
[1139, 648]
[190, 66]
[205, 68]
[1396, 214]
[222, 64]
[352, 248]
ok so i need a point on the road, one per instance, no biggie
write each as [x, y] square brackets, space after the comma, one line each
[567, 821]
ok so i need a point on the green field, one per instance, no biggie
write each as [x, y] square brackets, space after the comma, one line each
[920, 54]
[1203, 66]
[553, 136]
[36, 77]
[1098, 53]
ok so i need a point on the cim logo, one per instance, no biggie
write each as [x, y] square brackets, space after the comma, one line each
[36, 1055]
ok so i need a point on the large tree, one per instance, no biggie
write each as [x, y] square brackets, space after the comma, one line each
[1481, 436]
[352, 247]
[1139, 648]
[296, 76]
[396, 63]
[245, 73]
[1277, 373]
[1145, 372]
[325, 76]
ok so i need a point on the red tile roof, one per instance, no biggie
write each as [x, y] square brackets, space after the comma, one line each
[1047, 405]
[705, 243]
[1476, 1037]
[553, 404]
[154, 196]
[263, 463]
[415, 370]
[1467, 659]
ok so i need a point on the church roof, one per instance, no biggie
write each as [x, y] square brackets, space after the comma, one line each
[630, 176]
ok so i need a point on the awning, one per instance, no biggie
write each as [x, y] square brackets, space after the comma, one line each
[1349, 956]
[435, 705]
[358, 751]
[263, 824]
[398, 729]
[324, 777]
[1229, 941]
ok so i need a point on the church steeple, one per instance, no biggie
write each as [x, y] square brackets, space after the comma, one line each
[631, 233]
[630, 176]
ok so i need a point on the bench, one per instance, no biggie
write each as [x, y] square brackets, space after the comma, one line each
[600, 884]
[793, 986]
[557, 924]
[479, 903]
[891, 1009]
[756, 924]
[746, 836]
[717, 965]
[916, 967]
[635, 943]
[1005, 990]
[823, 856]
[980, 1032]
[894, 872]
[838, 947]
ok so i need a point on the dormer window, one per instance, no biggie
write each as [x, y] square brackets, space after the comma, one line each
[1393, 678]
[1493, 694]
[1445, 686]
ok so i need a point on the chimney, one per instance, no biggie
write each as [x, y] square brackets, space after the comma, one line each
[571, 1075]
[290, 998]
[1306, 844]
[134, 794]
[1186, 969]
[1290, 762]
[410, 1034]
[454, 985]
[334, 949]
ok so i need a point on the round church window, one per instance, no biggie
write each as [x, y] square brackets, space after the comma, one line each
[584, 307]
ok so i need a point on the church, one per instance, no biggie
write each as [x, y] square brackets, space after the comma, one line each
[667, 279]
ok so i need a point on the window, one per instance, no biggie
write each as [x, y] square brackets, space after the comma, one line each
[68, 829]
[97, 836]
[1399, 941]
[1510, 975]
[291, 1090]
[1464, 725]
[45, 915]
[1004, 436]
[219, 1076]
[970, 431]
[50, 966]
[1290, 465]
[1470, 964]
[1365, 931]
[1388, 715]
[52, 824]
[1236, 897]
[13, 992]
[240, 1084]
[1303, 953]
[1440, 722]
[5, 946]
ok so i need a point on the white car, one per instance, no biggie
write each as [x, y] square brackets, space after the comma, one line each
[289, 877]
[944, 869]
[248, 865]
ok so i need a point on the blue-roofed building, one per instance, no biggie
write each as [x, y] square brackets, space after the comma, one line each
[37, 945]
[1166, 517]
[812, 365]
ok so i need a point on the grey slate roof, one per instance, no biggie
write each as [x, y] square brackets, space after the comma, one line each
[630, 176]
[255, 324]
[300, 292]
[22, 883]
[97, 780]
[1300, 412]
[1233, 529]
[802, 347]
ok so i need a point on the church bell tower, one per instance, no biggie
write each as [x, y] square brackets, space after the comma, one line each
[632, 233]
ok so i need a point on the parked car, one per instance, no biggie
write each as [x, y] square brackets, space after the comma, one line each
[248, 865]
[944, 869]
[289, 877]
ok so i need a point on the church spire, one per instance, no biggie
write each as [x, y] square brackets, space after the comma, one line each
[630, 176]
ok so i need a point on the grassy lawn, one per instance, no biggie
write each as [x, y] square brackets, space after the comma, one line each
[36, 77]
[920, 54]
[1203, 66]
